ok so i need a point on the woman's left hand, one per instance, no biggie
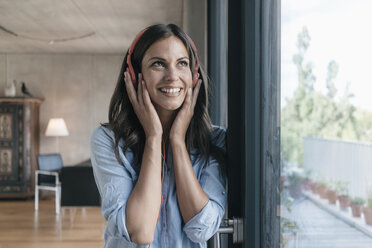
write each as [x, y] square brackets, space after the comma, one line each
[184, 115]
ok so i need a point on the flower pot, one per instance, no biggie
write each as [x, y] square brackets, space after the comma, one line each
[295, 191]
[356, 210]
[332, 196]
[344, 202]
[322, 191]
[10, 89]
[314, 188]
[368, 215]
[307, 184]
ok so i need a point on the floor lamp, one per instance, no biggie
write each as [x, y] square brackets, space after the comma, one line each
[56, 128]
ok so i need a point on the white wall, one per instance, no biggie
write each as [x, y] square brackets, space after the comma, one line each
[195, 25]
[77, 88]
[342, 160]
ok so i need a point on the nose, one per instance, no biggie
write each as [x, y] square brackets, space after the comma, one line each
[171, 74]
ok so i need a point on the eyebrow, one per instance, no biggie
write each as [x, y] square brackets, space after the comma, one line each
[162, 59]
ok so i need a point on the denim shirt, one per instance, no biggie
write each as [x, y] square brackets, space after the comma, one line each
[116, 180]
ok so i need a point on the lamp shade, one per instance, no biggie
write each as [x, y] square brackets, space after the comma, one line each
[56, 127]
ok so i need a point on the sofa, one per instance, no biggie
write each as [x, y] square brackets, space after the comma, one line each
[79, 188]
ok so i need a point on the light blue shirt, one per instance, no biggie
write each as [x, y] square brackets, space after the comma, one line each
[116, 180]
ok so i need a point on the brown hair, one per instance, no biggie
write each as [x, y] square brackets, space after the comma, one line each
[123, 120]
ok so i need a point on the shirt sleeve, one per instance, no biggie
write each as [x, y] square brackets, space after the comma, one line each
[114, 180]
[206, 223]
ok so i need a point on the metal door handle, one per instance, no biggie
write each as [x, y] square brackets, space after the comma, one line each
[234, 226]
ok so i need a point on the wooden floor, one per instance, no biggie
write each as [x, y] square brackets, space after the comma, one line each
[21, 226]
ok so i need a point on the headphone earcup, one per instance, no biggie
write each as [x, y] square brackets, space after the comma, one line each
[132, 76]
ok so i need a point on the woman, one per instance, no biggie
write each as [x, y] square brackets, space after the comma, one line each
[157, 163]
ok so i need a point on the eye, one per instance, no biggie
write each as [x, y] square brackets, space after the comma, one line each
[183, 63]
[158, 64]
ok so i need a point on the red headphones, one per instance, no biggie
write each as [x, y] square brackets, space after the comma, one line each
[130, 66]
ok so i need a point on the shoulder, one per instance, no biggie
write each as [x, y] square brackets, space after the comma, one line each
[102, 140]
[219, 136]
[102, 136]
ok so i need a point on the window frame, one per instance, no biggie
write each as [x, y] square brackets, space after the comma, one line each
[253, 136]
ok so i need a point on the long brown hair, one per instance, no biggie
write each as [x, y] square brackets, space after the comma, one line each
[124, 122]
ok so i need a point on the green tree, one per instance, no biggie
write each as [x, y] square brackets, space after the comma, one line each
[295, 116]
[312, 113]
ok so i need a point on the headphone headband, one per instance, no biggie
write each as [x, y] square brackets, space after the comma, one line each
[129, 58]
[196, 73]
[131, 69]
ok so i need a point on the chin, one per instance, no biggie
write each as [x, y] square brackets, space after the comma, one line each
[172, 107]
[169, 106]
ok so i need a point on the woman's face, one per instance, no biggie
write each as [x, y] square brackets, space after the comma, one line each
[167, 74]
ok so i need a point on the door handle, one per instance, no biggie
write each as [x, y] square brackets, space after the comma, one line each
[234, 226]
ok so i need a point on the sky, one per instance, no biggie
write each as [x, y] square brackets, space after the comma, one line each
[340, 30]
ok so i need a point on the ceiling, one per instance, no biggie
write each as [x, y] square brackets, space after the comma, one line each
[79, 26]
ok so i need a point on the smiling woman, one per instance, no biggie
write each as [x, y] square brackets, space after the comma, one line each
[166, 71]
[158, 162]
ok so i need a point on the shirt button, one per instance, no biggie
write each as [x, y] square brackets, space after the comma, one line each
[223, 192]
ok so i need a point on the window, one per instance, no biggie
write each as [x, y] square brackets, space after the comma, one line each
[326, 120]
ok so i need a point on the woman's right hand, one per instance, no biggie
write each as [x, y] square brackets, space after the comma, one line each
[143, 107]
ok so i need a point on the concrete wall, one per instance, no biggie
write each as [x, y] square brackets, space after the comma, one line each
[347, 161]
[77, 88]
[195, 25]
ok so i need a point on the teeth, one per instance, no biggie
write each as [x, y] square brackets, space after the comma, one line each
[172, 90]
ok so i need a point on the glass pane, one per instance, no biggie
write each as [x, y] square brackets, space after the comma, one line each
[326, 121]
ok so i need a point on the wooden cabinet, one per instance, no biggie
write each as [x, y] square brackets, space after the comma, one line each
[19, 145]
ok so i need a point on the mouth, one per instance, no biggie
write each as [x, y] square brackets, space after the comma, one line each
[170, 91]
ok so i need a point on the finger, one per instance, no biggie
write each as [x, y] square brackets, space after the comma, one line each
[146, 96]
[188, 99]
[140, 90]
[130, 89]
[196, 93]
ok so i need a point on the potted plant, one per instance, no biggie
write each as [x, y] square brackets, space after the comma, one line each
[343, 194]
[322, 189]
[357, 206]
[314, 188]
[288, 226]
[368, 210]
[307, 183]
[295, 184]
[332, 193]
[316, 184]
[288, 231]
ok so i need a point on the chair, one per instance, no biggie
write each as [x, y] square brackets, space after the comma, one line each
[47, 177]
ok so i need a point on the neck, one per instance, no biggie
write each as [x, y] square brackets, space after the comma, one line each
[166, 118]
